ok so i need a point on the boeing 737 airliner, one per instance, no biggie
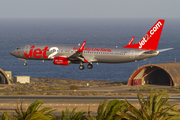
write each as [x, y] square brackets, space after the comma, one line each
[65, 55]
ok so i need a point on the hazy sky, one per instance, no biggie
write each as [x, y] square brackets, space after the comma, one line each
[89, 8]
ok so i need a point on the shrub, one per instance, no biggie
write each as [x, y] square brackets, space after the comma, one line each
[155, 107]
[74, 116]
[21, 93]
[73, 87]
[120, 84]
[7, 93]
[85, 93]
[50, 93]
[33, 112]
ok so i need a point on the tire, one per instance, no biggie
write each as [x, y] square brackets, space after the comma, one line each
[81, 67]
[89, 66]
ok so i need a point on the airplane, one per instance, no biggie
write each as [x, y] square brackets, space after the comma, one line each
[65, 54]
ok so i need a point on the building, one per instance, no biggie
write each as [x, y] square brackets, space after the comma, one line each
[156, 74]
[21, 79]
[3, 78]
[8, 74]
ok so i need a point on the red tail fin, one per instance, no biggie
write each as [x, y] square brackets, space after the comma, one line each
[82, 47]
[151, 39]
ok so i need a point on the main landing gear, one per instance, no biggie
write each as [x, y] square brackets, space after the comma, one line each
[89, 66]
[81, 67]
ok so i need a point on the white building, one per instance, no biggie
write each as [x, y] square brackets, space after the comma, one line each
[21, 79]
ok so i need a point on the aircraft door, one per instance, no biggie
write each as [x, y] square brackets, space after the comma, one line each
[21, 52]
[27, 49]
[132, 54]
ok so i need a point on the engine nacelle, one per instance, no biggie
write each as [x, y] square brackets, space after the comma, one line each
[61, 61]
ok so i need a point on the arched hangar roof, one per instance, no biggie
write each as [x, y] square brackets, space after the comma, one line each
[168, 71]
[3, 77]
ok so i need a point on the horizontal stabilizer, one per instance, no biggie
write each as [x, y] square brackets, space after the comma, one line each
[162, 50]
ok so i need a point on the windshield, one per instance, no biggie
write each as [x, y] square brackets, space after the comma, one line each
[18, 48]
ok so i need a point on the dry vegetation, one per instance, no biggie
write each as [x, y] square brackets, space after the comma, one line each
[173, 91]
[68, 87]
[62, 87]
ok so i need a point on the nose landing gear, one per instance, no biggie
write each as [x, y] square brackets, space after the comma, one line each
[25, 63]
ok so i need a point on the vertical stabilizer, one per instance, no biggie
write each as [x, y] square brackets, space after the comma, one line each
[151, 38]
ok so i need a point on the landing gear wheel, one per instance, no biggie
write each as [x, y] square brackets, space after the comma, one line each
[81, 67]
[25, 64]
[89, 66]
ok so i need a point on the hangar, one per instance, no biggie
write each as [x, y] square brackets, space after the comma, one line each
[3, 77]
[156, 74]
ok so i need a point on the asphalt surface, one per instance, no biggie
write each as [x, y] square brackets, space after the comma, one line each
[71, 99]
[9, 103]
[84, 99]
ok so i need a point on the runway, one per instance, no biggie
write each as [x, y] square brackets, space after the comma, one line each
[74, 99]
[9, 103]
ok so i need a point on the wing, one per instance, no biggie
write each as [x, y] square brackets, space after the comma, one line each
[78, 56]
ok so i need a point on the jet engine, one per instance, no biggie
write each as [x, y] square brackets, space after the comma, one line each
[61, 61]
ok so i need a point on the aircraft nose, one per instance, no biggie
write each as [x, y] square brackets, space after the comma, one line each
[12, 52]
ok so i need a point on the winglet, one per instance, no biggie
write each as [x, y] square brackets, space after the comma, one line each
[82, 47]
[130, 42]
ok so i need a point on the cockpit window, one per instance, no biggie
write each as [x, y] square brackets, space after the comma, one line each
[18, 48]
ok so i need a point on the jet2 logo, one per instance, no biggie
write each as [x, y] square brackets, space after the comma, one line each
[155, 28]
[38, 53]
[144, 40]
[54, 53]
[152, 31]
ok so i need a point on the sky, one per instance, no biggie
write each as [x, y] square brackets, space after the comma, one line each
[89, 9]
